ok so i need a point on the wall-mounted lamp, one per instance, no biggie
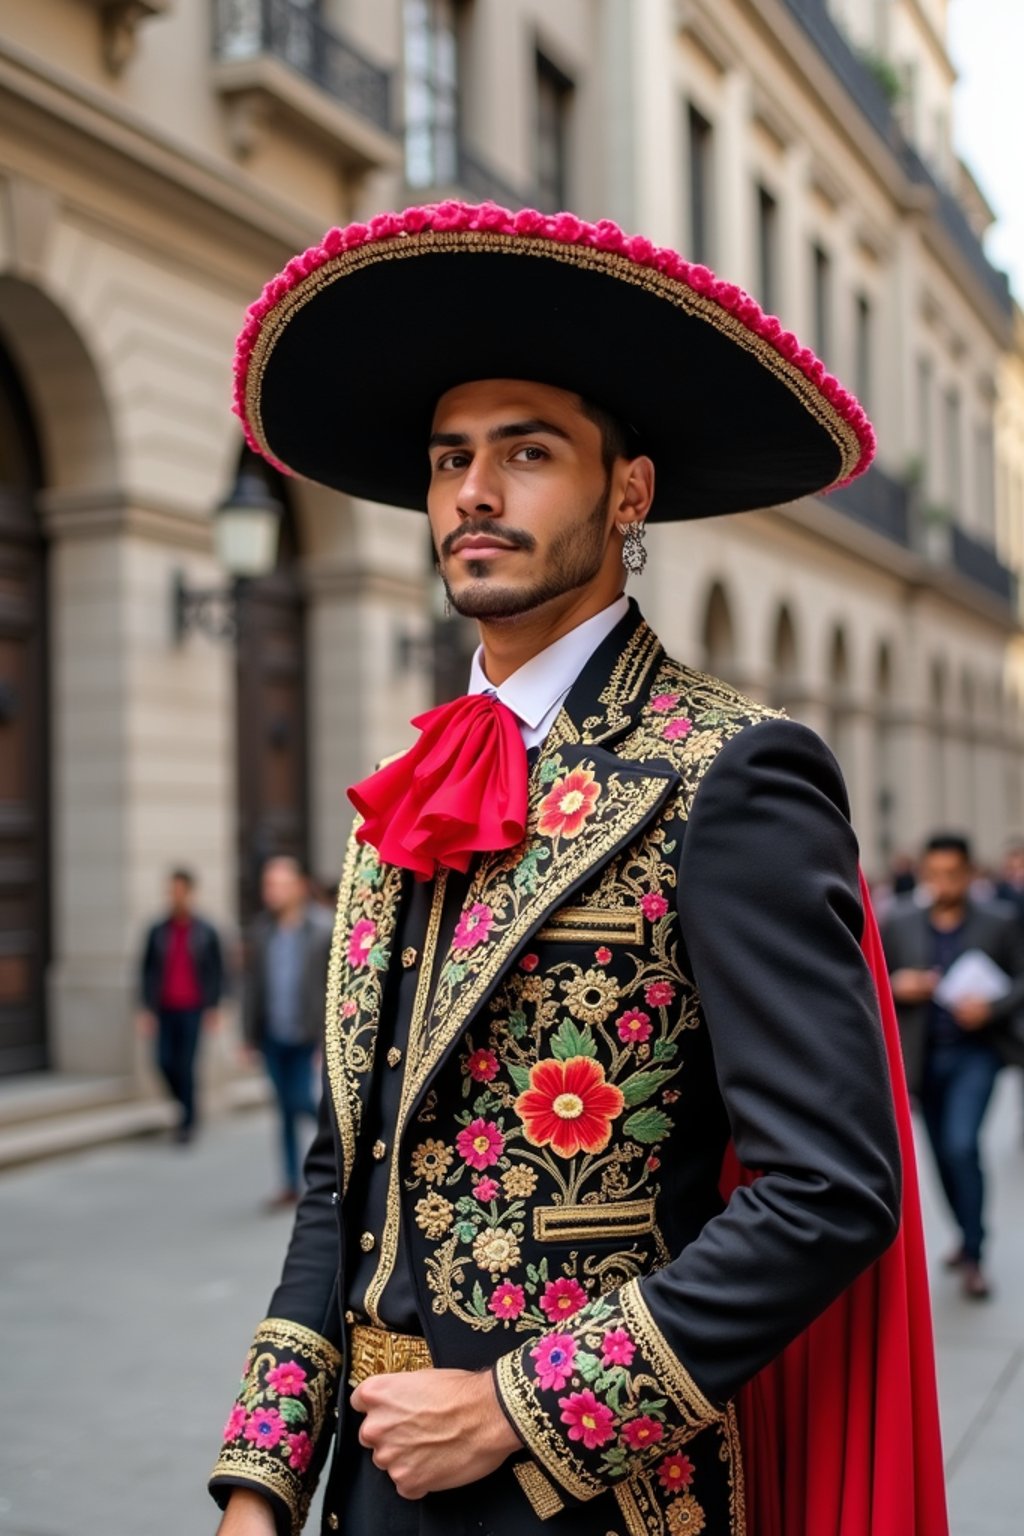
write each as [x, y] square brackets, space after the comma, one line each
[246, 527]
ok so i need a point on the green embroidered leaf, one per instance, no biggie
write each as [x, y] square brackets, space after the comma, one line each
[531, 1274]
[467, 1087]
[549, 769]
[652, 1405]
[379, 958]
[669, 847]
[485, 1104]
[647, 1126]
[456, 973]
[641, 1086]
[478, 1303]
[612, 1397]
[520, 1077]
[588, 1365]
[542, 1270]
[466, 1231]
[292, 1410]
[465, 1204]
[569, 1041]
[517, 1025]
[527, 874]
[616, 1456]
[665, 1050]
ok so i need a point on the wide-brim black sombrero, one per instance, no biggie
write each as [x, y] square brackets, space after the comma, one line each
[345, 354]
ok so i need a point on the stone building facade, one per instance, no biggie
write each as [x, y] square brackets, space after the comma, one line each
[159, 158]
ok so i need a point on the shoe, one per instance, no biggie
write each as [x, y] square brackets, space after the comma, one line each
[183, 1135]
[955, 1260]
[281, 1202]
[975, 1286]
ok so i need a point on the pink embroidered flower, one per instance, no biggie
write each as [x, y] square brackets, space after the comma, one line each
[486, 1189]
[507, 1300]
[482, 1066]
[360, 941]
[634, 1025]
[529, 962]
[569, 804]
[653, 906]
[588, 1420]
[473, 926]
[653, 1163]
[480, 1144]
[617, 1348]
[658, 994]
[664, 702]
[603, 955]
[641, 1432]
[300, 1447]
[676, 1471]
[236, 1422]
[675, 730]
[264, 1428]
[287, 1380]
[561, 1299]
[554, 1355]
[349, 1008]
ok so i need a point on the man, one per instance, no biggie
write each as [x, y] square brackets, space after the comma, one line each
[953, 1054]
[285, 979]
[181, 984]
[1010, 885]
[602, 917]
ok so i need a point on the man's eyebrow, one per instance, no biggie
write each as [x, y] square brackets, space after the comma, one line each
[535, 427]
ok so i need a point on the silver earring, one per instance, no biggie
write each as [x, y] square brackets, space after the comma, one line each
[634, 555]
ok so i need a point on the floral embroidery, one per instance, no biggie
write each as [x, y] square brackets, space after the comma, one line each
[592, 996]
[685, 1517]
[473, 926]
[675, 730]
[642, 1431]
[482, 1066]
[675, 1472]
[634, 1025]
[653, 906]
[569, 1106]
[282, 1409]
[659, 994]
[603, 956]
[554, 1354]
[360, 943]
[507, 1300]
[588, 1420]
[480, 1144]
[518, 1181]
[529, 962]
[569, 804]
[496, 1251]
[662, 703]
[562, 1298]
[434, 1214]
[431, 1161]
[486, 1189]
[617, 1348]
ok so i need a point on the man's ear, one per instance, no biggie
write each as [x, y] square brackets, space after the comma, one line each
[637, 490]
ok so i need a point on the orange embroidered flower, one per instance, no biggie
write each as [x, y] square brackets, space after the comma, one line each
[569, 1106]
[572, 799]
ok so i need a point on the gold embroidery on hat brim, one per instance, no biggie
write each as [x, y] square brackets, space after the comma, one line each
[586, 257]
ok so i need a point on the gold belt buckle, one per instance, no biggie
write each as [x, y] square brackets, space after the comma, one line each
[379, 1352]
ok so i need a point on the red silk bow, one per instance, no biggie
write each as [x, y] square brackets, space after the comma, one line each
[460, 790]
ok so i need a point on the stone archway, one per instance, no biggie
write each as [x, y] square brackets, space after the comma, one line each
[719, 635]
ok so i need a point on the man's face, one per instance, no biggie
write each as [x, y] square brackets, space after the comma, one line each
[281, 885]
[520, 502]
[947, 875]
[180, 894]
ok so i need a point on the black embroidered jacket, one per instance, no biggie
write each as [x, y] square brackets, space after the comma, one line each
[671, 958]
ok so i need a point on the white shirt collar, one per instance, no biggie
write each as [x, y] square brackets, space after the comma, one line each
[537, 690]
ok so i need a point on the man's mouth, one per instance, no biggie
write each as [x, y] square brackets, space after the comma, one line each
[481, 547]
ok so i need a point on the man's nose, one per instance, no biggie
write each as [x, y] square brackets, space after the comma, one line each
[480, 491]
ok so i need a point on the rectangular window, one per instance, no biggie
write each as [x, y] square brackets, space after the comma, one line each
[767, 249]
[702, 151]
[924, 413]
[554, 101]
[951, 427]
[984, 460]
[431, 93]
[821, 279]
[863, 350]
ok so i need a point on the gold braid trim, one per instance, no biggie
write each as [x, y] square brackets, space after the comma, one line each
[611, 263]
[543, 1496]
[673, 1377]
[285, 1463]
[542, 1439]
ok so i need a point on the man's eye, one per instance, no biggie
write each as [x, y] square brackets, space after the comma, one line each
[530, 452]
[452, 461]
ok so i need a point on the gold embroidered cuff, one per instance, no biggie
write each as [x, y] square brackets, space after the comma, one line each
[274, 1430]
[604, 1398]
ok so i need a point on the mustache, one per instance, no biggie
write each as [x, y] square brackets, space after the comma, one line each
[517, 537]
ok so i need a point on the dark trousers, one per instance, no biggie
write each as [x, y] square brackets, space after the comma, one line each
[958, 1083]
[177, 1042]
[290, 1068]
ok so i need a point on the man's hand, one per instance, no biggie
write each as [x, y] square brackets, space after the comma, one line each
[910, 986]
[430, 1430]
[247, 1514]
[972, 1013]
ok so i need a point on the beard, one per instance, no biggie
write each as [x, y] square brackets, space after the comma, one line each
[575, 558]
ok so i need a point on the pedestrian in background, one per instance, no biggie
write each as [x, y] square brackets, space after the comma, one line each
[285, 981]
[182, 982]
[953, 1054]
[1010, 885]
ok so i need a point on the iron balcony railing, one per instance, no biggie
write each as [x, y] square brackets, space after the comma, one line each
[482, 184]
[861, 84]
[295, 34]
[980, 563]
[879, 502]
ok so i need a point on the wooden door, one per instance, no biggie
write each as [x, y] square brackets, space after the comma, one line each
[24, 765]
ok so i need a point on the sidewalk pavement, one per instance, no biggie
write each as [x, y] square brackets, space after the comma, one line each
[133, 1276]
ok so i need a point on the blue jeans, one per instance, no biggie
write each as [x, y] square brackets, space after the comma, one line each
[958, 1083]
[290, 1068]
[177, 1043]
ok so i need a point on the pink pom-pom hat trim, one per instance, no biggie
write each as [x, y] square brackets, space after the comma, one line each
[562, 229]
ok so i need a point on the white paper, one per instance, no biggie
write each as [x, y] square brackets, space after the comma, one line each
[972, 975]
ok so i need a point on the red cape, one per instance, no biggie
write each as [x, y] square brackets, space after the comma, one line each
[841, 1433]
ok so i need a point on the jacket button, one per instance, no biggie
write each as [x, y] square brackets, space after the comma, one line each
[335, 1197]
[380, 1151]
[332, 1521]
[367, 1241]
[394, 1056]
[409, 958]
[350, 1318]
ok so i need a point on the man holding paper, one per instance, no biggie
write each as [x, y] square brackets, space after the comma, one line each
[957, 972]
